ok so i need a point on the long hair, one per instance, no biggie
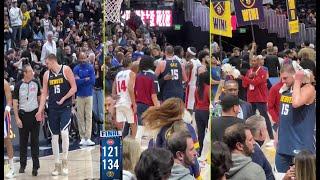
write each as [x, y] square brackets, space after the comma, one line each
[305, 166]
[204, 79]
[220, 160]
[131, 153]
[170, 111]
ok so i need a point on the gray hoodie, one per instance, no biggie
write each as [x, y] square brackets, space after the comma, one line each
[244, 169]
[179, 172]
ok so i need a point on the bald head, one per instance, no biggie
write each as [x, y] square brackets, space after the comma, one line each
[231, 87]
[82, 57]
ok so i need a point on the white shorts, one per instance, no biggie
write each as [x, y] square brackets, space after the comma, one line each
[125, 114]
[190, 99]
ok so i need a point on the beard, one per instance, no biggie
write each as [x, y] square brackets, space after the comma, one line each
[247, 151]
[188, 162]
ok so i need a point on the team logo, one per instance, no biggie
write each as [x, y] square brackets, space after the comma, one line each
[110, 142]
[219, 8]
[110, 173]
[248, 3]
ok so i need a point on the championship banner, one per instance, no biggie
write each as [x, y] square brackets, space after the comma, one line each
[293, 18]
[110, 155]
[248, 12]
[220, 18]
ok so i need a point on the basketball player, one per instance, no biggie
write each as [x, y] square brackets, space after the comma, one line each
[59, 84]
[296, 130]
[126, 107]
[171, 73]
[194, 64]
[8, 134]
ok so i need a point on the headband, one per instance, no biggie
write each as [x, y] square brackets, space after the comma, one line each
[191, 52]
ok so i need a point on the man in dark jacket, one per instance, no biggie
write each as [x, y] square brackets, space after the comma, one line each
[272, 63]
[258, 129]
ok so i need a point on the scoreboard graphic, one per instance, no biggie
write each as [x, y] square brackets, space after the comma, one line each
[110, 155]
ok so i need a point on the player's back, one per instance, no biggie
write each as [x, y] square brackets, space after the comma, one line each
[122, 81]
[193, 76]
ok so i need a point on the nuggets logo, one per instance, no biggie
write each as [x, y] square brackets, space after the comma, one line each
[55, 81]
[173, 65]
[110, 173]
[219, 8]
[248, 3]
[110, 142]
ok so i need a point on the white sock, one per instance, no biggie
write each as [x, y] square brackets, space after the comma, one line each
[55, 147]
[11, 164]
[65, 143]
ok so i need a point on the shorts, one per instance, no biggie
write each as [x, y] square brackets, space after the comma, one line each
[190, 98]
[59, 119]
[125, 114]
[7, 130]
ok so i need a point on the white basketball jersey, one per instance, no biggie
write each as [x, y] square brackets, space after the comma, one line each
[122, 82]
[193, 79]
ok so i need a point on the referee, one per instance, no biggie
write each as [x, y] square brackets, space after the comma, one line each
[26, 98]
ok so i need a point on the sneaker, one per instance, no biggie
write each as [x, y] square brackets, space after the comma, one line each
[11, 174]
[34, 172]
[90, 143]
[21, 170]
[65, 170]
[82, 142]
[57, 169]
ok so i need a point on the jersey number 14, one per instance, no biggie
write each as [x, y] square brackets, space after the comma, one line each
[121, 86]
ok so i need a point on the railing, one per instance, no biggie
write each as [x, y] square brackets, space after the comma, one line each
[197, 13]
[275, 23]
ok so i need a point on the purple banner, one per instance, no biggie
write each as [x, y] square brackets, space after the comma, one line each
[248, 12]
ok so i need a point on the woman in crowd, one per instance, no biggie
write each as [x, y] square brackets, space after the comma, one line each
[130, 154]
[220, 160]
[202, 102]
[167, 119]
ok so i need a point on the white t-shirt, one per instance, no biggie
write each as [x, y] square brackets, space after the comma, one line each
[15, 15]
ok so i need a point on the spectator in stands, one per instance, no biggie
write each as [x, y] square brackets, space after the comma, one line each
[304, 167]
[201, 105]
[272, 63]
[134, 22]
[85, 79]
[235, 59]
[257, 93]
[274, 103]
[220, 160]
[181, 146]
[230, 109]
[154, 163]
[231, 87]
[167, 119]
[131, 152]
[16, 18]
[146, 87]
[48, 48]
[258, 129]
[241, 144]
[309, 52]
[97, 96]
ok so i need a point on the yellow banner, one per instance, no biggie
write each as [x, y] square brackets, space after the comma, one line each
[293, 26]
[292, 15]
[220, 18]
